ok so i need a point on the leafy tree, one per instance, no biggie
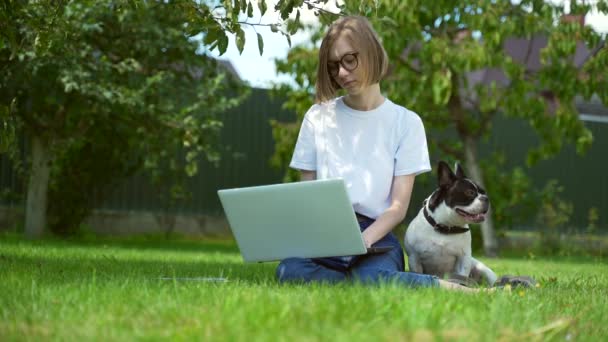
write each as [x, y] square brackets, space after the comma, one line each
[104, 89]
[436, 49]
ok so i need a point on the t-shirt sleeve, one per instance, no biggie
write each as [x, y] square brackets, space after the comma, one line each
[412, 156]
[305, 154]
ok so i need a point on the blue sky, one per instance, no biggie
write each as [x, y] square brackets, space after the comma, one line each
[260, 71]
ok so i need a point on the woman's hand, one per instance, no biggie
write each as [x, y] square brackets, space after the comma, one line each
[306, 175]
[367, 239]
[400, 200]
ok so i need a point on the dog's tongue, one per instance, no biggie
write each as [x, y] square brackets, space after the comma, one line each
[478, 217]
[472, 217]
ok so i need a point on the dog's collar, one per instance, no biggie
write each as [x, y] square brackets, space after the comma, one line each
[441, 228]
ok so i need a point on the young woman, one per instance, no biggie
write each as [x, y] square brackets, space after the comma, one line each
[376, 146]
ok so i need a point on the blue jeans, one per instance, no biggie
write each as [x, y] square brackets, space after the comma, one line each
[367, 269]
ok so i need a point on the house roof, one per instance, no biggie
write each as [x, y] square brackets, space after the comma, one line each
[592, 106]
[526, 51]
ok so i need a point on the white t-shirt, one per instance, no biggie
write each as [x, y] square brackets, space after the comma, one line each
[365, 148]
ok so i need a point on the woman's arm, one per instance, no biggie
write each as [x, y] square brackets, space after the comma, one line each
[306, 175]
[400, 199]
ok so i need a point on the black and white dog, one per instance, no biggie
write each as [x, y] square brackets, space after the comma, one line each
[438, 240]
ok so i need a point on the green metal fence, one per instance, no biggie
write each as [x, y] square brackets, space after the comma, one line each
[584, 177]
[246, 147]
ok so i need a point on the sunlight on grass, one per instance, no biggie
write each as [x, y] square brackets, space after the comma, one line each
[123, 289]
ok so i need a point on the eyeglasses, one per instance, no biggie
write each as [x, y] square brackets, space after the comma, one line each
[349, 62]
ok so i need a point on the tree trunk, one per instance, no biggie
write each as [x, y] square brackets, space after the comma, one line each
[37, 189]
[490, 244]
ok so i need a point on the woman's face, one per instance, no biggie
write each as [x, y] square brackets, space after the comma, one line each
[345, 67]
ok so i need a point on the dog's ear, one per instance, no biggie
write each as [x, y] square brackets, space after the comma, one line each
[460, 172]
[436, 199]
[445, 176]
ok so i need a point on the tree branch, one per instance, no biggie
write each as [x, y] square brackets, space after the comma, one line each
[320, 9]
[443, 31]
[455, 107]
[250, 24]
[310, 3]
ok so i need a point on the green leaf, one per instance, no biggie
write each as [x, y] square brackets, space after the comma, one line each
[227, 5]
[211, 36]
[240, 40]
[191, 169]
[236, 9]
[222, 42]
[262, 6]
[249, 10]
[260, 44]
[294, 25]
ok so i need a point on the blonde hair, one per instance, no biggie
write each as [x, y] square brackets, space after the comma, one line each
[372, 57]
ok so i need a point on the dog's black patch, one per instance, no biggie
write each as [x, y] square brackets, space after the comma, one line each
[455, 188]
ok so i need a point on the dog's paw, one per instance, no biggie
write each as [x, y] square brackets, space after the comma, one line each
[516, 281]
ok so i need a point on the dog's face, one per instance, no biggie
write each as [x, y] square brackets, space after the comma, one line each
[459, 197]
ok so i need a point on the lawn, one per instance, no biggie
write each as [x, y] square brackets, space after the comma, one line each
[138, 288]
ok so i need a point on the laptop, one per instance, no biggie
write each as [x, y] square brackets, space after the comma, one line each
[309, 219]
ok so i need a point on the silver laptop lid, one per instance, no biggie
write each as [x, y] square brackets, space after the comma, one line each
[304, 219]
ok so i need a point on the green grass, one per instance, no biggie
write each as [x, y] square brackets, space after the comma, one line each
[110, 289]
